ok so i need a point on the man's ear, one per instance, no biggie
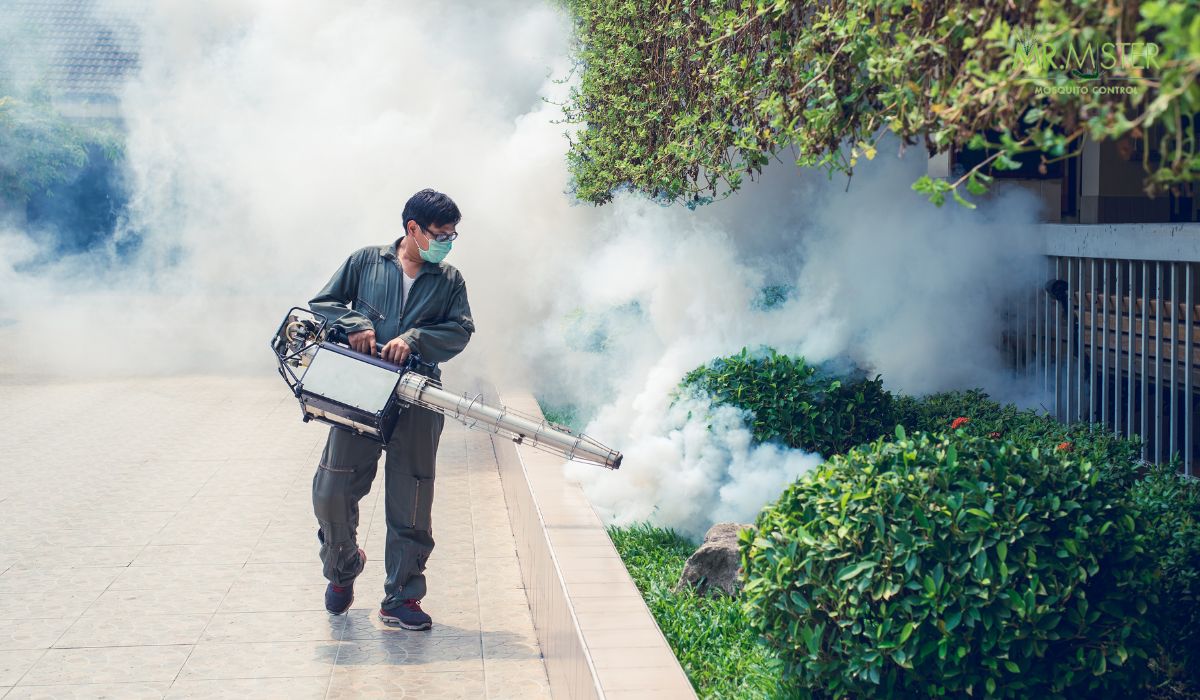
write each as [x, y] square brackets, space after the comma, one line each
[412, 228]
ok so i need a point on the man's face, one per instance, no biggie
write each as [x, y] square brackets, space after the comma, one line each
[422, 237]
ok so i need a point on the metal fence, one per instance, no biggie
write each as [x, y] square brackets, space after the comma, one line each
[1116, 339]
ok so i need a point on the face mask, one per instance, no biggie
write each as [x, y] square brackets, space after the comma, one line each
[437, 251]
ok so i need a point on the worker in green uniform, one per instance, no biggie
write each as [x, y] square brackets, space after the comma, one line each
[402, 296]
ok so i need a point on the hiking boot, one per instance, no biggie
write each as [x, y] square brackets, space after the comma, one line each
[408, 615]
[339, 598]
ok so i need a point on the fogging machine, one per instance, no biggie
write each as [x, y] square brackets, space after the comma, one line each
[340, 386]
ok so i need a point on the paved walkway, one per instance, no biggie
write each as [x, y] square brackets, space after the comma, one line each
[157, 539]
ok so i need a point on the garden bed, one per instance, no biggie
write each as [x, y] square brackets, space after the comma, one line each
[1086, 559]
[711, 636]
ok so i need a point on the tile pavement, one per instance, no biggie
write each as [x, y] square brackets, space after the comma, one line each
[157, 540]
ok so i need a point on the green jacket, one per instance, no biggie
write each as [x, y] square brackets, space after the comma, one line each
[365, 293]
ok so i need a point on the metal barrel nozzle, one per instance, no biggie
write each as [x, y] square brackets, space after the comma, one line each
[521, 428]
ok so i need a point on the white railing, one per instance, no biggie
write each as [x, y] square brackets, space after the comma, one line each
[1114, 333]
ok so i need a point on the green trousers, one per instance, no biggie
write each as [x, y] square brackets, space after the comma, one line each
[347, 468]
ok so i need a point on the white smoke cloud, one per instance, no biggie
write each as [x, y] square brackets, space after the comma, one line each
[688, 464]
[880, 277]
[267, 140]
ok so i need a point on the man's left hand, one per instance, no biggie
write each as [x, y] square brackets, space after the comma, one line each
[396, 351]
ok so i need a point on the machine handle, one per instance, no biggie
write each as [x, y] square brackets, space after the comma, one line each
[414, 360]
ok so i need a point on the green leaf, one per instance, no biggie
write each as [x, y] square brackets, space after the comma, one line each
[975, 184]
[854, 570]
[953, 619]
[960, 200]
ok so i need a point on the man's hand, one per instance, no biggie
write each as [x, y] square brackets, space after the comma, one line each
[363, 341]
[396, 351]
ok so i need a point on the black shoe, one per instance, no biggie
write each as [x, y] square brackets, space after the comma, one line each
[408, 615]
[339, 598]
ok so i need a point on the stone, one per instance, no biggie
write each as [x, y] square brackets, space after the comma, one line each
[715, 568]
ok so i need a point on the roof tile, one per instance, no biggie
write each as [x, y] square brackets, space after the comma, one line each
[72, 46]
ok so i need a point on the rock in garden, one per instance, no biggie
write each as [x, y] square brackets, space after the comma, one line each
[715, 566]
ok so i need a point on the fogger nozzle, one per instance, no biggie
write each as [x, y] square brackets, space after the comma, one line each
[522, 428]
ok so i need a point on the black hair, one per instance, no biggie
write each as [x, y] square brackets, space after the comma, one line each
[431, 208]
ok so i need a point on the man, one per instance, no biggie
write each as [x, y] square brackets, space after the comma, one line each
[404, 297]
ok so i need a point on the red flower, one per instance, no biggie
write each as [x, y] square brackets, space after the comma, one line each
[1065, 447]
[959, 422]
[995, 435]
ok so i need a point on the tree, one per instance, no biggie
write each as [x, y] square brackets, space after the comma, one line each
[39, 148]
[681, 99]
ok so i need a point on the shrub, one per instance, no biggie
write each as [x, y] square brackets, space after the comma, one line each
[952, 565]
[1168, 504]
[1116, 456]
[800, 405]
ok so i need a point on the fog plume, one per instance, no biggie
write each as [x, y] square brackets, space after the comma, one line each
[268, 140]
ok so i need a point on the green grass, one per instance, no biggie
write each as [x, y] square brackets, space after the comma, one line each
[710, 636]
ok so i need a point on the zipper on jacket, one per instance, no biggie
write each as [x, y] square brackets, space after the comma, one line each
[372, 309]
[416, 495]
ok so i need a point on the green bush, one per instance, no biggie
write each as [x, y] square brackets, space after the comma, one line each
[1116, 456]
[799, 405]
[804, 407]
[1169, 505]
[952, 565]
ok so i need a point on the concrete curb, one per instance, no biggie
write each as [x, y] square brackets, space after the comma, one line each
[598, 638]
